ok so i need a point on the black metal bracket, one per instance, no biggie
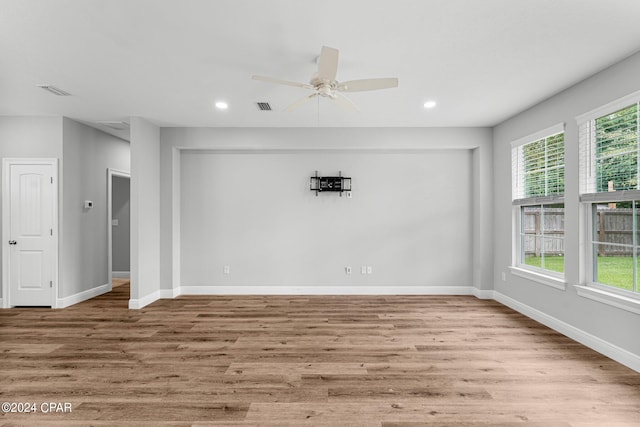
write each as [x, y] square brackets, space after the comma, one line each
[330, 183]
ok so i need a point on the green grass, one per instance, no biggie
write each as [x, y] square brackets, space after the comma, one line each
[614, 271]
[553, 263]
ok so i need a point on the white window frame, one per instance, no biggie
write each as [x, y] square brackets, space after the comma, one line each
[547, 277]
[590, 265]
[518, 178]
[601, 292]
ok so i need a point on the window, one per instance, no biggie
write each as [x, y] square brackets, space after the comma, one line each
[540, 167]
[615, 244]
[611, 151]
[538, 200]
[542, 236]
[610, 190]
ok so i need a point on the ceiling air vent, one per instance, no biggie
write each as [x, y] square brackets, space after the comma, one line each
[263, 106]
[54, 90]
[114, 125]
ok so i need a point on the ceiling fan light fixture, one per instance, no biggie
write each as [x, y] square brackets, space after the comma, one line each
[430, 104]
[323, 82]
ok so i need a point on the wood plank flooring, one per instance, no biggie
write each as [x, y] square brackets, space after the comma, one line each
[305, 361]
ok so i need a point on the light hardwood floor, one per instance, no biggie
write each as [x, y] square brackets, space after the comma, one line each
[305, 361]
[119, 282]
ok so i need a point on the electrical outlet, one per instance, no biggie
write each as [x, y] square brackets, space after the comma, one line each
[504, 276]
[226, 269]
[369, 269]
[363, 269]
[347, 269]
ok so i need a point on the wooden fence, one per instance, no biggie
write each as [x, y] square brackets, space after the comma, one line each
[613, 225]
[553, 241]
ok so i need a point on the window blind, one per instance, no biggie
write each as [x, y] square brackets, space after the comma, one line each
[538, 168]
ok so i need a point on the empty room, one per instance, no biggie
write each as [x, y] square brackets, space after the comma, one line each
[295, 213]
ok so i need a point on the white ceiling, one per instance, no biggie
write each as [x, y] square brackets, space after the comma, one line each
[170, 60]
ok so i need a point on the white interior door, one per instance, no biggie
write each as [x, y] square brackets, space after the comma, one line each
[30, 241]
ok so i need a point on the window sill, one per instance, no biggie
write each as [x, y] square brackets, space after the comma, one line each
[551, 281]
[609, 298]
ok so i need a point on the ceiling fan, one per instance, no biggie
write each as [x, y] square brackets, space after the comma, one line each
[324, 83]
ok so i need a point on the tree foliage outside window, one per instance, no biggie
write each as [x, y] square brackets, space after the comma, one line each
[544, 166]
[616, 150]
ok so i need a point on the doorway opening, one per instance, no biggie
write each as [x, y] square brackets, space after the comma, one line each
[119, 231]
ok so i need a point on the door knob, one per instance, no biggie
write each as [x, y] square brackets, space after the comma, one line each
[13, 242]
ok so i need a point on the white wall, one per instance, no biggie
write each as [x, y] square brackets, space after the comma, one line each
[387, 230]
[145, 212]
[87, 154]
[482, 226]
[603, 322]
[28, 137]
[409, 219]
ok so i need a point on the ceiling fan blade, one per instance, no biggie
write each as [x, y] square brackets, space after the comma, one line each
[328, 63]
[282, 82]
[300, 102]
[345, 103]
[368, 84]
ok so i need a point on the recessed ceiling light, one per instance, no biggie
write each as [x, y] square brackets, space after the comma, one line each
[430, 104]
[221, 105]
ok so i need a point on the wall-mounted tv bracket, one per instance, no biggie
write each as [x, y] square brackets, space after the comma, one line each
[330, 183]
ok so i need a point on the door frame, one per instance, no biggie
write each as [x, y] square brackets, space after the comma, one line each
[6, 229]
[110, 174]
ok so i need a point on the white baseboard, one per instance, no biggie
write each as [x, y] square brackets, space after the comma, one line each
[483, 294]
[82, 296]
[614, 352]
[169, 293]
[299, 290]
[324, 290]
[121, 274]
[138, 303]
